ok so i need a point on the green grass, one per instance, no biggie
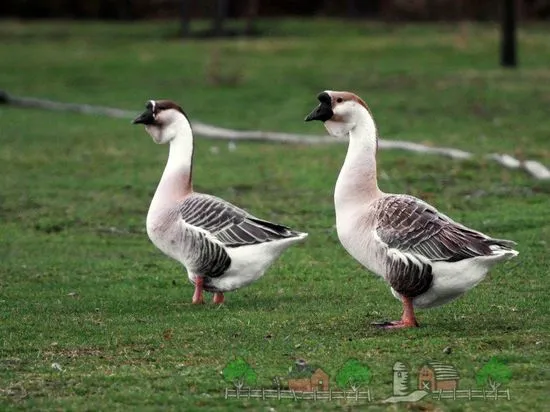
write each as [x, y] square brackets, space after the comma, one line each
[82, 286]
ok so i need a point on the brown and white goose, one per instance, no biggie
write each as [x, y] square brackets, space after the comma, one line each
[222, 247]
[426, 257]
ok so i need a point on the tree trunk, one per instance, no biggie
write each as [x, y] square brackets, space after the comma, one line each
[251, 15]
[351, 9]
[220, 14]
[184, 18]
[508, 53]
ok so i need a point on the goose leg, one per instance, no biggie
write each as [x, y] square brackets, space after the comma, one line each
[408, 320]
[218, 298]
[197, 296]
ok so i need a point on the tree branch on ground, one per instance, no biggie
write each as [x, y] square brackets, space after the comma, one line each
[534, 168]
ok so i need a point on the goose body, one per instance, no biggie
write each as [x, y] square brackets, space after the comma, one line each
[427, 258]
[222, 247]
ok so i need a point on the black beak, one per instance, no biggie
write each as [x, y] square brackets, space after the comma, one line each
[323, 112]
[145, 118]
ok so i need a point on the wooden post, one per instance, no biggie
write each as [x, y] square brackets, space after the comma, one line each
[454, 394]
[470, 394]
[508, 393]
[508, 53]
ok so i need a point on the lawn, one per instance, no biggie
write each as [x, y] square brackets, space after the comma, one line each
[93, 317]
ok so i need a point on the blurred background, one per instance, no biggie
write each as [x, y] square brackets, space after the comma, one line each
[418, 10]
[82, 287]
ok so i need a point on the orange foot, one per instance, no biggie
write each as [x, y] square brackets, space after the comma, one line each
[408, 320]
[197, 296]
[218, 298]
[197, 300]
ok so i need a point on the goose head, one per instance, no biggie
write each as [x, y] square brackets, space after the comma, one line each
[164, 120]
[340, 112]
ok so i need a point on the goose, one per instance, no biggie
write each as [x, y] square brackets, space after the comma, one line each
[221, 246]
[426, 258]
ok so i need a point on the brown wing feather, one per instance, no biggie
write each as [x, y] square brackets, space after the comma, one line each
[229, 224]
[410, 225]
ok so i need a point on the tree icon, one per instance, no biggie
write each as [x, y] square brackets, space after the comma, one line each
[353, 374]
[494, 374]
[238, 372]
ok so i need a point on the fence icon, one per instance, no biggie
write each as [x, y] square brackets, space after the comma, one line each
[315, 395]
[471, 394]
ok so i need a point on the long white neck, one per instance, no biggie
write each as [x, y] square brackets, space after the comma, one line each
[175, 183]
[357, 183]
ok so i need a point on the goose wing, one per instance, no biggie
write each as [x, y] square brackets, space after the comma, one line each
[203, 256]
[416, 235]
[230, 225]
[411, 225]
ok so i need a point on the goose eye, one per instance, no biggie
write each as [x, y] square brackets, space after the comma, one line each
[339, 100]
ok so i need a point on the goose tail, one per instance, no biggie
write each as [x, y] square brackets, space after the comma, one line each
[503, 248]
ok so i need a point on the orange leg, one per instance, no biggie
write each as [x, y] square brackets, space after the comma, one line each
[218, 298]
[197, 296]
[408, 320]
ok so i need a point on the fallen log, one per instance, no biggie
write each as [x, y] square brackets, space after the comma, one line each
[534, 168]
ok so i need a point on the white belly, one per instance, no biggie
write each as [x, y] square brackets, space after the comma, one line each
[249, 263]
[360, 243]
[452, 280]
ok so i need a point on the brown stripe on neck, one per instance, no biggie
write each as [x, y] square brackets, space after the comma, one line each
[348, 96]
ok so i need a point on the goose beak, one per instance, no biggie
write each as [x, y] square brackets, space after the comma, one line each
[145, 118]
[323, 112]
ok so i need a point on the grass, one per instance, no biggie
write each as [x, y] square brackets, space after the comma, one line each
[82, 287]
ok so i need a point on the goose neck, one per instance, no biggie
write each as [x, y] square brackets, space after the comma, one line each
[176, 180]
[357, 182]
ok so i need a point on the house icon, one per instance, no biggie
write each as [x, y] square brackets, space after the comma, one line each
[435, 376]
[307, 378]
[318, 381]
